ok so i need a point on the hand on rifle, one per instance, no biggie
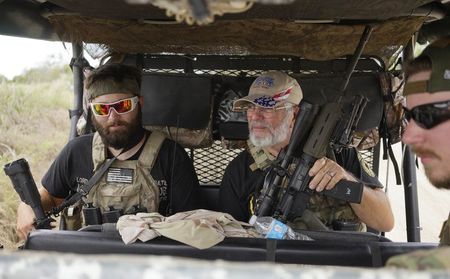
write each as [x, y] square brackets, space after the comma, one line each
[326, 173]
[25, 220]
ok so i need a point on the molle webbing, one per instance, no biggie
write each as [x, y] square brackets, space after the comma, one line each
[262, 158]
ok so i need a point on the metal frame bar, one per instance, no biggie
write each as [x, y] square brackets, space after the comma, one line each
[409, 176]
[75, 113]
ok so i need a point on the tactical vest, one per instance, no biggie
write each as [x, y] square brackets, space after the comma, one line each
[126, 185]
[322, 212]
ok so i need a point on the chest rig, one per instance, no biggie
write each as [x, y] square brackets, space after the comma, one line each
[322, 212]
[127, 186]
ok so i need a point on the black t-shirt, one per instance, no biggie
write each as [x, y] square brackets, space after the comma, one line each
[74, 167]
[239, 183]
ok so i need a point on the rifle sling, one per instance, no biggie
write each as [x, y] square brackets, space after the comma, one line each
[84, 190]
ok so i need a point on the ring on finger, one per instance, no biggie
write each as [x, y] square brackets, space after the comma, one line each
[331, 174]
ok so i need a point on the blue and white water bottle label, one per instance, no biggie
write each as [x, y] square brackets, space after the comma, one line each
[276, 230]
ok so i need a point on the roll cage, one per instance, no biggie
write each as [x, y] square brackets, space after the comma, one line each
[315, 41]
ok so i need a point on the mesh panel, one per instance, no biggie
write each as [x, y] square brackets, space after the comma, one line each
[367, 155]
[164, 71]
[210, 163]
[228, 72]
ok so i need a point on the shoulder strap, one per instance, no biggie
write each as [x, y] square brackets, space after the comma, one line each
[151, 149]
[84, 190]
[98, 151]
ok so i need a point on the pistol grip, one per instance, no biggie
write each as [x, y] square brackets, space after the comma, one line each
[346, 190]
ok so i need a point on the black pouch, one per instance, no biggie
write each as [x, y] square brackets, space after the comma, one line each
[92, 215]
[341, 225]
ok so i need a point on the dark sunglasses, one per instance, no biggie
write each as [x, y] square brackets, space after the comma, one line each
[429, 115]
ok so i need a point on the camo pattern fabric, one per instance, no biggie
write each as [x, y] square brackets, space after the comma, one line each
[438, 258]
[262, 158]
[141, 191]
[35, 264]
[325, 209]
[328, 209]
[206, 228]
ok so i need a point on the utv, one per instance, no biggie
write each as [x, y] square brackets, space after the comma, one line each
[197, 56]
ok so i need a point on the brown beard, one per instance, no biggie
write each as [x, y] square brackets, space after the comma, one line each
[118, 140]
[442, 183]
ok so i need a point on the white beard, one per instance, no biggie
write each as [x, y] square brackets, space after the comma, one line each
[276, 135]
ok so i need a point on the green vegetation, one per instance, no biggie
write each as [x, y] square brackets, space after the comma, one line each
[34, 124]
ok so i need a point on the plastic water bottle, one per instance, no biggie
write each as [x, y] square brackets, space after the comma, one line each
[270, 227]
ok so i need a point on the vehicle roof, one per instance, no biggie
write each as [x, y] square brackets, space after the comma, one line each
[313, 29]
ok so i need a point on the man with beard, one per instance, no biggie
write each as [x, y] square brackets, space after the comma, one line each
[427, 111]
[272, 106]
[150, 173]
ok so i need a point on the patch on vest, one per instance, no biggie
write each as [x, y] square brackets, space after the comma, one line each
[120, 175]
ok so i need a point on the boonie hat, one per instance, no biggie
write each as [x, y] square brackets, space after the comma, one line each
[439, 55]
[270, 90]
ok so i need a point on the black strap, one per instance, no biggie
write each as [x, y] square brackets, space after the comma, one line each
[387, 148]
[398, 177]
[84, 190]
[271, 249]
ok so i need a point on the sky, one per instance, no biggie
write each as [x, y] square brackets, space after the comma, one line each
[18, 54]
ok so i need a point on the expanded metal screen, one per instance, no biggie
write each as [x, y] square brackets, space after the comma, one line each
[367, 155]
[210, 163]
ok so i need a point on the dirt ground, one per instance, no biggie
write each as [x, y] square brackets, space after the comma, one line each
[434, 204]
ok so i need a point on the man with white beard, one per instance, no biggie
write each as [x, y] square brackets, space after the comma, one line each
[272, 107]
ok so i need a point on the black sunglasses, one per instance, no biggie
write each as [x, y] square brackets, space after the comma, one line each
[429, 115]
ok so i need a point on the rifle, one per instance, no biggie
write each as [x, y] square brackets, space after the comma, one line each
[333, 128]
[268, 198]
[23, 182]
[330, 131]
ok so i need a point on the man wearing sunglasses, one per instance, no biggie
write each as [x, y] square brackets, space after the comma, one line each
[427, 112]
[150, 173]
[272, 106]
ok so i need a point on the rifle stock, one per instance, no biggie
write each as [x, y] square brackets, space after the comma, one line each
[23, 182]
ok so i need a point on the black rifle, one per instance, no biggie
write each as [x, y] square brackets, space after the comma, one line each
[331, 130]
[333, 127]
[269, 196]
[23, 182]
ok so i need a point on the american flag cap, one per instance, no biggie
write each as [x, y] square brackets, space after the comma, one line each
[272, 89]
